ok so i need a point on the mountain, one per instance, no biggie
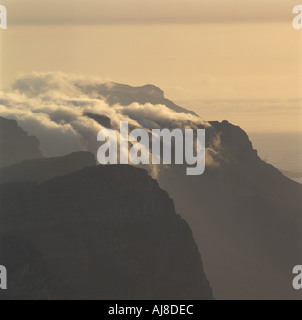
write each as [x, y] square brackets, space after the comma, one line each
[15, 144]
[292, 174]
[39, 170]
[246, 218]
[244, 213]
[106, 232]
[100, 119]
[125, 95]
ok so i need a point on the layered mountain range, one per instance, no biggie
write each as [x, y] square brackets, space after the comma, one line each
[245, 216]
[106, 232]
[39, 170]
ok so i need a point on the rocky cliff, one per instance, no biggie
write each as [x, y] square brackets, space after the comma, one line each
[15, 144]
[246, 218]
[105, 232]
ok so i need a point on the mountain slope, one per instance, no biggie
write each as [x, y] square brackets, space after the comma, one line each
[105, 232]
[246, 219]
[15, 144]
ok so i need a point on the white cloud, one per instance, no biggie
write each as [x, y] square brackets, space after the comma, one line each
[52, 107]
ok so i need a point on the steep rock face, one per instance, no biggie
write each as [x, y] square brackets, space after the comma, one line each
[246, 218]
[105, 232]
[15, 144]
[39, 170]
[235, 142]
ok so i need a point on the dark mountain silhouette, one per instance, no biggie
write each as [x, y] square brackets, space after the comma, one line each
[113, 226]
[100, 119]
[39, 170]
[246, 219]
[106, 232]
[15, 144]
[122, 94]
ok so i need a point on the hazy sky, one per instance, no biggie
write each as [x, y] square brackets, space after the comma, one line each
[141, 11]
[195, 50]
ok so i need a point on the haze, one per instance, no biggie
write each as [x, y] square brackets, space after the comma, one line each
[147, 11]
[235, 60]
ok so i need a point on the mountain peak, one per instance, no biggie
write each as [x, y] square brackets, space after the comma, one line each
[235, 141]
[116, 93]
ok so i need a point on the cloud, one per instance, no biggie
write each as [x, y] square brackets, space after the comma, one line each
[53, 107]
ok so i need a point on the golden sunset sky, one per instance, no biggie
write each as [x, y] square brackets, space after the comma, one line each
[226, 59]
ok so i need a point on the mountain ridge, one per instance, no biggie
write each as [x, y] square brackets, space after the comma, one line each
[245, 216]
[39, 170]
[116, 93]
[15, 144]
[91, 235]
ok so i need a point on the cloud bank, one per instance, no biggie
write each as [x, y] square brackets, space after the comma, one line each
[54, 107]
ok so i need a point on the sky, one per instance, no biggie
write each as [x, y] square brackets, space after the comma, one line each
[147, 11]
[238, 59]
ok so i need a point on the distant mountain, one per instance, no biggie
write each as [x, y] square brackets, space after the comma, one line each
[100, 119]
[39, 170]
[106, 232]
[124, 95]
[15, 144]
[246, 218]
